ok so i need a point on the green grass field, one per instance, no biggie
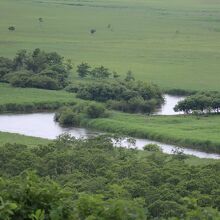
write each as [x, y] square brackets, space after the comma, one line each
[170, 42]
[20, 139]
[187, 131]
[9, 94]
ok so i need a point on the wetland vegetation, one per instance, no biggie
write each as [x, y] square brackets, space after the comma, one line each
[118, 58]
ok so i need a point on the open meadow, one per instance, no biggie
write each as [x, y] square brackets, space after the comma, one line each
[173, 43]
[12, 95]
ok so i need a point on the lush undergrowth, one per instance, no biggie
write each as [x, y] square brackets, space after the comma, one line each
[11, 138]
[172, 43]
[26, 99]
[77, 179]
[188, 131]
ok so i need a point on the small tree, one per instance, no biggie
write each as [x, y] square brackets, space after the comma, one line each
[92, 31]
[129, 76]
[11, 28]
[83, 70]
[100, 72]
[40, 20]
[115, 75]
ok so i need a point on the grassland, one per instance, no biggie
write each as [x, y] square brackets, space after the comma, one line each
[20, 139]
[9, 94]
[170, 42]
[186, 131]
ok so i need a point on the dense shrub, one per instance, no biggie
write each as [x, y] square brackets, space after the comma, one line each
[24, 80]
[95, 110]
[205, 102]
[152, 147]
[71, 116]
[68, 117]
[123, 96]
[37, 69]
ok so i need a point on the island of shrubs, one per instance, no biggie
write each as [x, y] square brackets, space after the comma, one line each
[203, 102]
[125, 95]
[73, 116]
[71, 179]
[37, 69]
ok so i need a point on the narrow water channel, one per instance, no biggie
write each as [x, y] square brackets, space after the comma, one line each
[42, 125]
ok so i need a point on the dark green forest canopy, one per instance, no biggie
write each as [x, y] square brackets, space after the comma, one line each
[91, 179]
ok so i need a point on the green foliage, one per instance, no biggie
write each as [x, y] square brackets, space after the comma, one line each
[37, 69]
[68, 117]
[129, 76]
[203, 102]
[100, 72]
[121, 95]
[152, 147]
[92, 179]
[72, 116]
[83, 70]
[180, 130]
[95, 110]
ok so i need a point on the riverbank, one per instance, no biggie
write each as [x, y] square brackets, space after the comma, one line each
[14, 99]
[12, 138]
[186, 131]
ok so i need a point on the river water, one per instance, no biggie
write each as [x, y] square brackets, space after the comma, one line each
[170, 102]
[43, 125]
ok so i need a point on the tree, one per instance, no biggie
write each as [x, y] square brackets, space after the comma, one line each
[100, 72]
[20, 59]
[92, 31]
[11, 28]
[129, 76]
[115, 75]
[40, 20]
[83, 70]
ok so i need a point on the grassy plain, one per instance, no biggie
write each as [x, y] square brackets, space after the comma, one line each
[188, 131]
[173, 43]
[9, 94]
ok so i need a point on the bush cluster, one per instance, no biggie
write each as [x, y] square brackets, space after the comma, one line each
[72, 116]
[205, 102]
[37, 69]
[121, 95]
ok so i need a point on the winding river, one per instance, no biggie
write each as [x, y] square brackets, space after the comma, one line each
[42, 125]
